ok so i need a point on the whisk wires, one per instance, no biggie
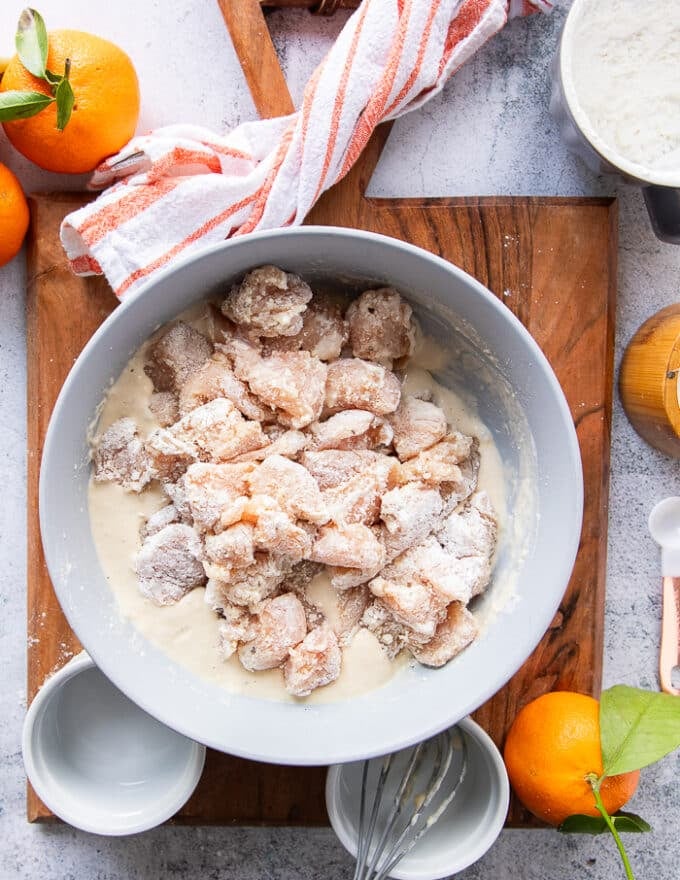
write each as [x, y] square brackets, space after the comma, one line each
[404, 808]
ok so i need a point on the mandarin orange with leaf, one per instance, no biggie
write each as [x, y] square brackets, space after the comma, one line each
[551, 747]
[105, 108]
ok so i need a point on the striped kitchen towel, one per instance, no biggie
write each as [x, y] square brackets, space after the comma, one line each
[173, 191]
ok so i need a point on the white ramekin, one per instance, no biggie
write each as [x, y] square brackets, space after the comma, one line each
[101, 763]
[466, 830]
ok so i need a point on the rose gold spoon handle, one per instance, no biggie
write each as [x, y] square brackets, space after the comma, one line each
[669, 656]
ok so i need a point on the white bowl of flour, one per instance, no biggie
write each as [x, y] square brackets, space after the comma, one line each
[617, 97]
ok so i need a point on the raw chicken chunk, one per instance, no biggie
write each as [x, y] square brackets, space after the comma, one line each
[280, 626]
[277, 533]
[457, 492]
[359, 498]
[168, 564]
[289, 444]
[217, 431]
[250, 586]
[301, 575]
[314, 663]
[392, 635]
[350, 545]
[352, 429]
[410, 602]
[353, 383]
[166, 516]
[331, 467]
[238, 625]
[409, 513]
[454, 633]
[215, 379]
[438, 571]
[268, 302]
[163, 407]
[455, 562]
[417, 425]
[469, 537]
[120, 457]
[240, 350]
[291, 486]
[440, 463]
[233, 548]
[324, 331]
[355, 501]
[291, 382]
[472, 531]
[217, 494]
[175, 356]
[380, 326]
[177, 493]
[169, 455]
[297, 582]
[215, 596]
[343, 578]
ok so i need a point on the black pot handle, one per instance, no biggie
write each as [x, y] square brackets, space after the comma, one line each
[663, 207]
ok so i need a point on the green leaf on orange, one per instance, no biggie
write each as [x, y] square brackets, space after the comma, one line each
[65, 101]
[630, 822]
[637, 728]
[20, 105]
[580, 824]
[31, 42]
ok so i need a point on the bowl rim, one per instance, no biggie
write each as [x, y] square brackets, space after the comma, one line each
[49, 789]
[302, 749]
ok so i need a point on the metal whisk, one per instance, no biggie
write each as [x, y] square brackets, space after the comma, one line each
[409, 798]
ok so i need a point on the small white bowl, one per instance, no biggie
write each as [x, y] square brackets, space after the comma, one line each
[466, 830]
[101, 763]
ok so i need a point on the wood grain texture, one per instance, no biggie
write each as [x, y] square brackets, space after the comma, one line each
[62, 312]
[551, 262]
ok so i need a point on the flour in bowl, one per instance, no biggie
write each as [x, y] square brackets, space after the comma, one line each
[621, 63]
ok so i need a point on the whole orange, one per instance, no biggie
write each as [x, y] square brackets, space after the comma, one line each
[13, 215]
[554, 742]
[104, 114]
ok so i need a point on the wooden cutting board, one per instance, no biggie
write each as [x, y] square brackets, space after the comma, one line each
[551, 261]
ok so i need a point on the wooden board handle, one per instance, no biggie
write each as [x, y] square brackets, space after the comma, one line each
[669, 655]
[257, 56]
[260, 64]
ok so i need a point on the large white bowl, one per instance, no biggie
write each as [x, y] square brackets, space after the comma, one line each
[519, 398]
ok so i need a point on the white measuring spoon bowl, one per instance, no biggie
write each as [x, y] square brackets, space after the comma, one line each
[664, 527]
[101, 763]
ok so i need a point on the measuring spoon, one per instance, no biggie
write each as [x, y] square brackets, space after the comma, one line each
[664, 527]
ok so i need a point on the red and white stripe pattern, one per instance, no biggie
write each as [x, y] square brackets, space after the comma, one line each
[181, 187]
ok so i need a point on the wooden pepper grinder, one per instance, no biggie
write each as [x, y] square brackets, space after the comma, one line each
[649, 381]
